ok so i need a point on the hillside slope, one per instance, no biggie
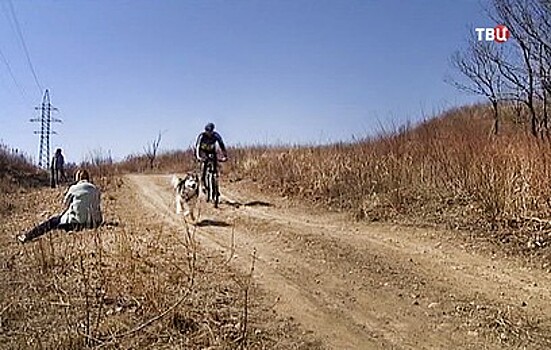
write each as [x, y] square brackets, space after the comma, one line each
[450, 172]
[17, 171]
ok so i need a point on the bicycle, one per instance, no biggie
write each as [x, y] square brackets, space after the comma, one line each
[211, 179]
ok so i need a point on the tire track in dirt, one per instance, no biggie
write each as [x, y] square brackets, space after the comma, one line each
[485, 275]
[361, 286]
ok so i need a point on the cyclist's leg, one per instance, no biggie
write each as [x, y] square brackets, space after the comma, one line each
[203, 172]
[204, 177]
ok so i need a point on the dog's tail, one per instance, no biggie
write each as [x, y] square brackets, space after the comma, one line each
[175, 181]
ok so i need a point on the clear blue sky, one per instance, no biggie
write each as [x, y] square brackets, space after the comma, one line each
[298, 71]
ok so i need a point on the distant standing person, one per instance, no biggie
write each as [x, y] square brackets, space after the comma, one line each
[83, 210]
[57, 170]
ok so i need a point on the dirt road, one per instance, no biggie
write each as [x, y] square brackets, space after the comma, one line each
[370, 286]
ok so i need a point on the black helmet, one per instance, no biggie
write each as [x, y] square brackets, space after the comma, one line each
[209, 127]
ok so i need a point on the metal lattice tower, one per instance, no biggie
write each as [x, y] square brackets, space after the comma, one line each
[45, 121]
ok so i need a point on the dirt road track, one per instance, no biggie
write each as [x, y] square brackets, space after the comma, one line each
[366, 286]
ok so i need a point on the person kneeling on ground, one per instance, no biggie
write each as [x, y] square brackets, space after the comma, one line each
[82, 210]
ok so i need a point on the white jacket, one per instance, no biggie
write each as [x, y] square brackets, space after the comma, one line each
[83, 205]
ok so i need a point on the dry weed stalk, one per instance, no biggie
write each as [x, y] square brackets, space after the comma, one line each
[245, 314]
[43, 260]
[100, 288]
[85, 285]
[232, 245]
[191, 253]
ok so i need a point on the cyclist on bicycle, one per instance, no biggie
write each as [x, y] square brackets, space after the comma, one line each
[206, 147]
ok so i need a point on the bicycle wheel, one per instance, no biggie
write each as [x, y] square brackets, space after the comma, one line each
[210, 189]
[215, 192]
[206, 184]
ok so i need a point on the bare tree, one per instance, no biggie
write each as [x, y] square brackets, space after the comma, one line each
[530, 17]
[543, 91]
[518, 70]
[526, 68]
[545, 56]
[151, 150]
[481, 73]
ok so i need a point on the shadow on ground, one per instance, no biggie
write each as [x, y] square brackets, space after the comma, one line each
[215, 223]
[236, 204]
[258, 204]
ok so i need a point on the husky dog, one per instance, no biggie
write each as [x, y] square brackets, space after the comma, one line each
[186, 191]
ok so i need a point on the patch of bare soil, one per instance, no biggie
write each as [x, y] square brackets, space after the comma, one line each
[357, 285]
[137, 282]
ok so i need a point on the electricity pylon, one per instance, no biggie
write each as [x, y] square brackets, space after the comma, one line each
[45, 121]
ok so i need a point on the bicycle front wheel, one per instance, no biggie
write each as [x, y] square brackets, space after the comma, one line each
[210, 187]
[215, 192]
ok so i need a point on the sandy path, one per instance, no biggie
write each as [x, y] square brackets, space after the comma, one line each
[365, 286]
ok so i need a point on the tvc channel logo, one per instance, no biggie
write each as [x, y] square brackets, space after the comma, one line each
[499, 34]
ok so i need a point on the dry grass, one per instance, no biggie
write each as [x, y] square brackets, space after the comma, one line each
[17, 171]
[134, 283]
[17, 174]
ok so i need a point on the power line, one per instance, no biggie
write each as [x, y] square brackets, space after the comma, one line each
[8, 17]
[16, 83]
[4, 58]
[20, 34]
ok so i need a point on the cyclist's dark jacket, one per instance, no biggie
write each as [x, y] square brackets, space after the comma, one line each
[206, 144]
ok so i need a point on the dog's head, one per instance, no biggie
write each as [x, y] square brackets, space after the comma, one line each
[186, 184]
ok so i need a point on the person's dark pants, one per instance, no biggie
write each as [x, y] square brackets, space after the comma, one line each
[53, 178]
[61, 175]
[49, 225]
[57, 175]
